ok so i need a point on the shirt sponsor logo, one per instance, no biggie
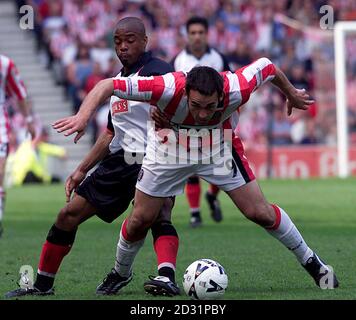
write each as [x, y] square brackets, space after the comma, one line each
[120, 106]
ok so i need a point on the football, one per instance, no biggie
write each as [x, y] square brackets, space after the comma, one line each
[205, 279]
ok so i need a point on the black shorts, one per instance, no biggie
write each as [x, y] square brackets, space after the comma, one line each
[111, 187]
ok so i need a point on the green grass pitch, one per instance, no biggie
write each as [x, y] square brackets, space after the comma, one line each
[258, 266]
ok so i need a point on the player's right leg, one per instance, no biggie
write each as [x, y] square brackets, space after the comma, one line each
[252, 203]
[165, 243]
[59, 242]
[240, 184]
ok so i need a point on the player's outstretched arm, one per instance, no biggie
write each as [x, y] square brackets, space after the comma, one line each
[96, 154]
[78, 123]
[296, 98]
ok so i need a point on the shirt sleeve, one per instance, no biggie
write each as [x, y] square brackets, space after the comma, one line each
[258, 72]
[14, 83]
[155, 89]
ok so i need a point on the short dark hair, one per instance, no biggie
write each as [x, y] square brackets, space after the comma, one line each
[205, 80]
[197, 20]
[133, 24]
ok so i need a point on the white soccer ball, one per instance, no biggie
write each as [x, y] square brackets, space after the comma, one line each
[205, 279]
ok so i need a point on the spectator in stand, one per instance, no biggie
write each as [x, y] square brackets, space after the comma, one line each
[59, 42]
[221, 38]
[93, 30]
[298, 78]
[242, 30]
[281, 128]
[77, 73]
[166, 33]
[241, 56]
[102, 54]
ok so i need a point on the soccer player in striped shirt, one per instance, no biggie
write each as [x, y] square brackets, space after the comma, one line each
[202, 99]
[11, 84]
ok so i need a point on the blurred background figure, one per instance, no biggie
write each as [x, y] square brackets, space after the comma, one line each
[11, 85]
[31, 161]
[198, 52]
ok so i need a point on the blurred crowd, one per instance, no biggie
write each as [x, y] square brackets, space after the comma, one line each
[77, 38]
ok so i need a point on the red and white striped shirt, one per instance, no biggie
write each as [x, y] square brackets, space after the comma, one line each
[10, 81]
[167, 92]
[11, 84]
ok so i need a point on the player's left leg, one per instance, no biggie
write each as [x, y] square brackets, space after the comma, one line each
[252, 203]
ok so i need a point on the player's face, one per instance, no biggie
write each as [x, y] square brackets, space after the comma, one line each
[129, 46]
[202, 107]
[197, 37]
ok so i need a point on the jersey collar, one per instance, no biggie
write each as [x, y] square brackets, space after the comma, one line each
[208, 49]
[144, 58]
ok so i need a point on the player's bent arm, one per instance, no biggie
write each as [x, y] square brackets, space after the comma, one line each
[296, 98]
[263, 70]
[282, 83]
[97, 152]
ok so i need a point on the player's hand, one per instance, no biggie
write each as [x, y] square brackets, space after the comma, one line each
[70, 125]
[72, 182]
[299, 99]
[32, 130]
[160, 119]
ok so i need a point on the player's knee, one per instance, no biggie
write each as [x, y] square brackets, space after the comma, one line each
[260, 213]
[138, 224]
[68, 218]
[163, 228]
[165, 213]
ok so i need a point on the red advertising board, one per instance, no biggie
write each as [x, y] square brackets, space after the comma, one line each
[299, 162]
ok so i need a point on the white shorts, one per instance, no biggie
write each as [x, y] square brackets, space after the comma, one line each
[166, 180]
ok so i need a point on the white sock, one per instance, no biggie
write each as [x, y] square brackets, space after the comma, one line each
[287, 233]
[125, 255]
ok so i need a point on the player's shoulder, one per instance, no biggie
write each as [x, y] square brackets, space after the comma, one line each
[155, 66]
[215, 52]
[219, 55]
[5, 59]
[181, 54]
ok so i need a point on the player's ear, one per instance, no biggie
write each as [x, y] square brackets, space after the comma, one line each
[222, 97]
[184, 92]
[145, 40]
